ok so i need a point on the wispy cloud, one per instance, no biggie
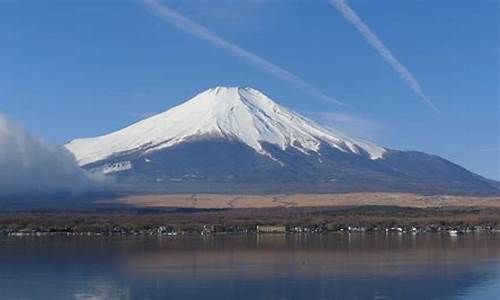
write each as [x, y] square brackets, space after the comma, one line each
[138, 95]
[201, 32]
[348, 123]
[491, 150]
[376, 43]
[229, 13]
[142, 115]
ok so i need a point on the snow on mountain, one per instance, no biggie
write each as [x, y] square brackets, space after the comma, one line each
[242, 114]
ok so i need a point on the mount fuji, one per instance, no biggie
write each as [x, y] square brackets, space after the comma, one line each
[230, 139]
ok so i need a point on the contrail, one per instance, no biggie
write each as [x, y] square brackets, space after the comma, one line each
[199, 31]
[376, 43]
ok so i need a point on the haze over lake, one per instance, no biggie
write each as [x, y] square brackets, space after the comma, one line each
[331, 266]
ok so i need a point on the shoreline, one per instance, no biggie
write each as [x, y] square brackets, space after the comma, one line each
[314, 220]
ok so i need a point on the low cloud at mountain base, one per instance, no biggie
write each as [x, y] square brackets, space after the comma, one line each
[29, 166]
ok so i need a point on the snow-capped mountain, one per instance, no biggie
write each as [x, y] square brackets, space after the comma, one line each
[241, 114]
[229, 139]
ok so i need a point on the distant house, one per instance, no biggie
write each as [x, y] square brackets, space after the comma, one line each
[270, 229]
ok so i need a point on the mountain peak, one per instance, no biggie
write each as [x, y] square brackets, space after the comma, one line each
[238, 113]
[231, 96]
[229, 89]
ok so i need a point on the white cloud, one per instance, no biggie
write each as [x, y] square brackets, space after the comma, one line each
[201, 32]
[382, 50]
[30, 166]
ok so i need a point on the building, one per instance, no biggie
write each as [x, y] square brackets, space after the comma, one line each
[270, 229]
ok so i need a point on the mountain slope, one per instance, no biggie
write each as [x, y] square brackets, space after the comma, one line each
[242, 114]
[239, 140]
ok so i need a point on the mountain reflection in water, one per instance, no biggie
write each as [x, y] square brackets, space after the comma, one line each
[330, 266]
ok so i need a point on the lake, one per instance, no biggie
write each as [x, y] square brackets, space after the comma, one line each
[327, 266]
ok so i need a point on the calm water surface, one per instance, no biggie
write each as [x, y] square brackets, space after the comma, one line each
[332, 266]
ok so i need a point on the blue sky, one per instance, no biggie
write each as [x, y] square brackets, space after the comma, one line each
[83, 68]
